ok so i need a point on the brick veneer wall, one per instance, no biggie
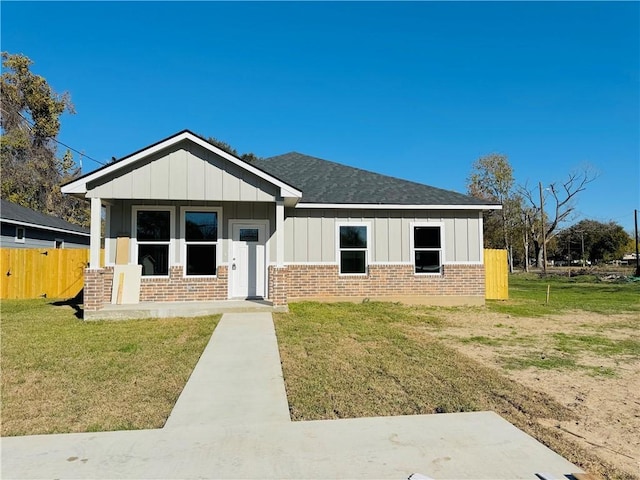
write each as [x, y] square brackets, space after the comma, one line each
[308, 281]
[178, 288]
[98, 284]
[278, 284]
[93, 292]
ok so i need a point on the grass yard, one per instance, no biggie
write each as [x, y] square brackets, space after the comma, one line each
[527, 296]
[60, 374]
[370, 359]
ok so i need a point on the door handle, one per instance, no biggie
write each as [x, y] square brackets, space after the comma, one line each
[233, 266]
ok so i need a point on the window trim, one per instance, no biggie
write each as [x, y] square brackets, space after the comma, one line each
[413, 249]
[55, 243]
[367, 250]
[184, 243]
[17, 238]
[134, 235]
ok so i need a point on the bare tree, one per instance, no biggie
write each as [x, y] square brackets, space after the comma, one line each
[558, 206]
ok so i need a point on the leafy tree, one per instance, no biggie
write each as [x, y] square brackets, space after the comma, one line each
[492, 180]
[31, 170]
[247, 157]
[602, 241]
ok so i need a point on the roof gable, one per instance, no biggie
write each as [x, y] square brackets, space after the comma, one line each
[19, 215]
[126, 177]
[325, 182]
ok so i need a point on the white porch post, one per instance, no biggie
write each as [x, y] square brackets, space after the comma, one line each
[280, 233]
[96, 220]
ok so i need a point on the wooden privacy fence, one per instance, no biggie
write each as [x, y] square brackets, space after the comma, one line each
[35, 272]
[496, 271]
[58, 273]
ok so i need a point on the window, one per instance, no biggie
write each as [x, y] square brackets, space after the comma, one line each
[427, 248]
[248, 234]
[153, 237]
[201, 241]
[353, 244]
[19, 234]
[58, 243]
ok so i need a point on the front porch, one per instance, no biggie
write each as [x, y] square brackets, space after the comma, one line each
[180, 309]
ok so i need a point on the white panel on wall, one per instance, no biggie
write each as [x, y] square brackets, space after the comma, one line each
[328, 239]
[314, 234]
[159, 175]
[461, 240]
[142, 182]
[196, 177]
[300, 247]
[178, 175]
[380, 235]
[396, 249]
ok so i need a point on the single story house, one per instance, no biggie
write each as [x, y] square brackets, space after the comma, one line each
[22, 227]
[206, 225]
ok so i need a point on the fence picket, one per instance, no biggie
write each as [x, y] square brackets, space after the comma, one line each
[496, 270]
[35, 272]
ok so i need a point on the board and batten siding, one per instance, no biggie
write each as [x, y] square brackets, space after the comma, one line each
[119, 221]
[184, 172]
[310, 234]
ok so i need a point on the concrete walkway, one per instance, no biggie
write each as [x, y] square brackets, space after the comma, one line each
[238, 379]
[232, 421]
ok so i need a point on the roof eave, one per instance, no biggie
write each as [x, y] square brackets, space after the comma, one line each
[44, 227]
[395, 206]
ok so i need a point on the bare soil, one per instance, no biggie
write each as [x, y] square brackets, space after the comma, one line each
[606, 405]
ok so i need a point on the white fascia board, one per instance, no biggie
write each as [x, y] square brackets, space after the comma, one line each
[44, 227]
[80, 185]
[383, 206]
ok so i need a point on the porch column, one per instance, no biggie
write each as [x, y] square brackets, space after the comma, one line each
[280, 233]
[96, 220]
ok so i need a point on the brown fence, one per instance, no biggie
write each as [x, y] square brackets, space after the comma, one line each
[496, 270]
[35, 272]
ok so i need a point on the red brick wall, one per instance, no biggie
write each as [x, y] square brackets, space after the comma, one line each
[278, 284]
[307, 281]
[93, 293]
[175, 288]
[178, 288]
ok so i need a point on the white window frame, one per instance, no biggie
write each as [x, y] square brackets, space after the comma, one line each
[367, 250]
[134, 235]
[24, 235]
[413, 248]
[56, 240]
[184, 243]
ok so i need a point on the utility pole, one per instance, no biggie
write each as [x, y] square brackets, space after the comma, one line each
[544, 233]
[637, 256]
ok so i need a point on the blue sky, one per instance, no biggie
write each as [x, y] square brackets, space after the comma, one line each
[416, 90]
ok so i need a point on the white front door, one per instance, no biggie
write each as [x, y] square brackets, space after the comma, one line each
[248, 260]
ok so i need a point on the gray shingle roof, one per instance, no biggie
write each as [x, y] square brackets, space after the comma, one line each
[13, 212]
[322, 181]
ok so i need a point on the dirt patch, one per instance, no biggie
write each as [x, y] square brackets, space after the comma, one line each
[585, 361]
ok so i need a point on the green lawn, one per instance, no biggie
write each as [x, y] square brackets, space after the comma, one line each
[60, 374]
[374, 359]
[528, 292]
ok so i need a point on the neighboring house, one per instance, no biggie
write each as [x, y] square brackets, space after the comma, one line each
[25, 228]
[206, 225]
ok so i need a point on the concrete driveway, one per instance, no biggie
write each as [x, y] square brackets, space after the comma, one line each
[232, 421]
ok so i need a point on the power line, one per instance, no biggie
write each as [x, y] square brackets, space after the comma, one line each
[31, 125]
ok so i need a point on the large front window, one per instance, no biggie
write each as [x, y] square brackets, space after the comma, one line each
[427, 249]
[153, 237]
[353, 242]
[201, 241]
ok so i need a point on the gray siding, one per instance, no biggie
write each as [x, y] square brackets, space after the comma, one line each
[120, 221]
[184, 172]
[310, 234]
[40, 238]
